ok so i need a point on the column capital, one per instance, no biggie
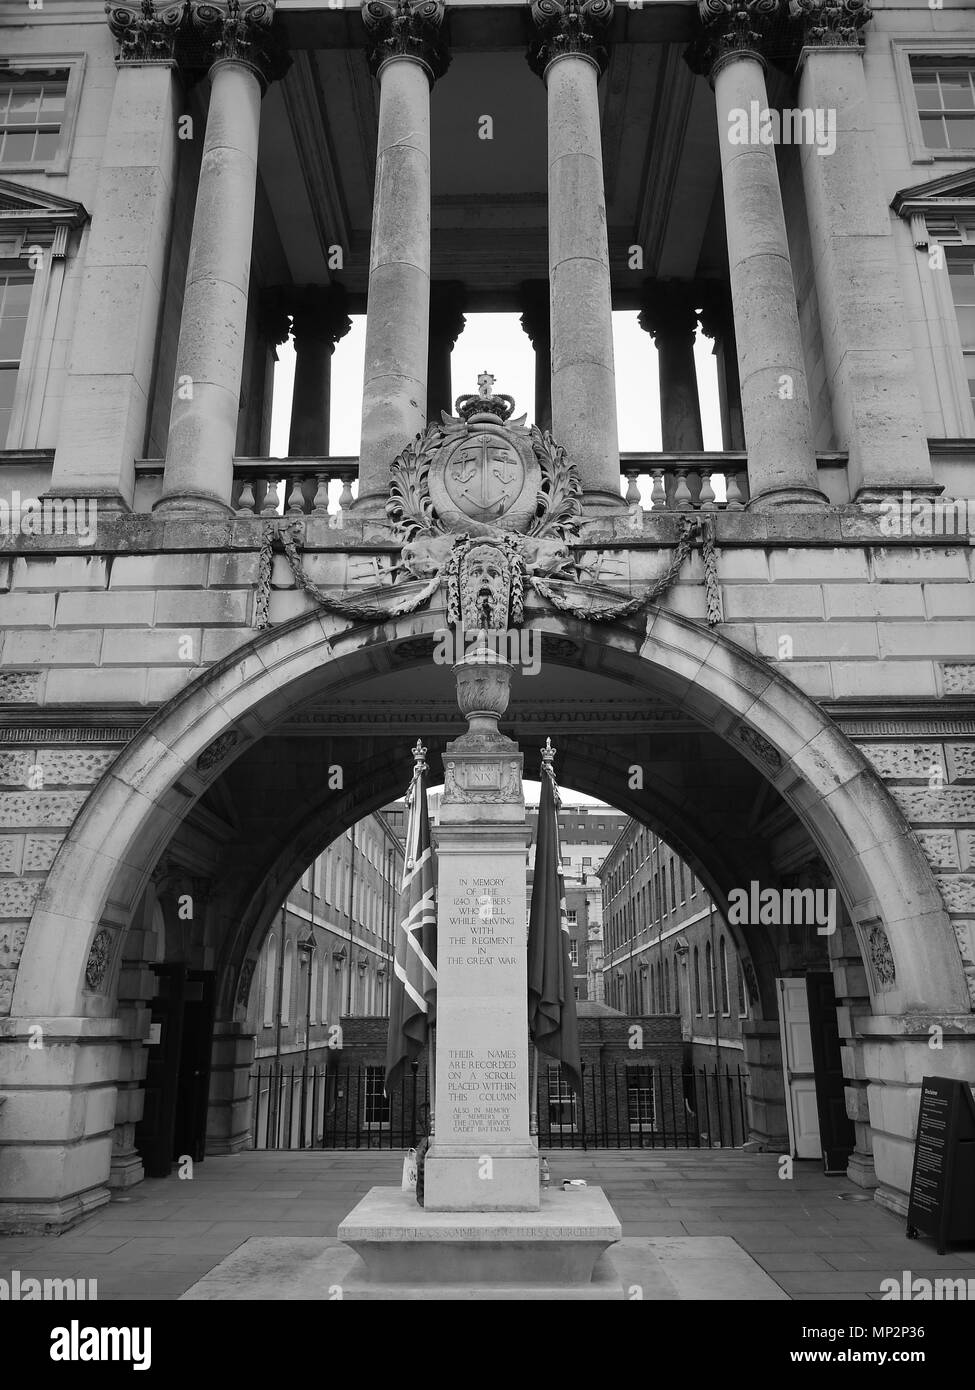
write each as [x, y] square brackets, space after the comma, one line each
[273, 316]
[407, 29]
[732, 29]
[146, 30]
[669, 308]
[536, 310]
[569, 29]
[830, 23]
[239, 31]
[319, 313]
[447, 301]
[715, 313]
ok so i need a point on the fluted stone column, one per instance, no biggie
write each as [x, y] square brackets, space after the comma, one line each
[319, 321]
[568, 52]
[774, 392]
[106, 401]
[536, 320]
[866, 337]
[407, 55]
[670, 317]
[206, 394]
[718, 323]
[447, 298]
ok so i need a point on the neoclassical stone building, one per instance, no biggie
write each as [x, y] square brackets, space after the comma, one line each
[771, 666]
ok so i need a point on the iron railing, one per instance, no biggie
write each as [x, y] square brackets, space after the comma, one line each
[620, 1107]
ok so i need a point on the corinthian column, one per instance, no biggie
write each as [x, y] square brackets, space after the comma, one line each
[569, 54]
[447, 322]
[670, 317]
[866, 339]
[774, 393]
[206, 395]
[407, 55]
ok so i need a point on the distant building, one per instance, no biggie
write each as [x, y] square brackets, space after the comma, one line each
[586, 834]
[668, 949]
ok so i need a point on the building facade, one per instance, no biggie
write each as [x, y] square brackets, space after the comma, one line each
[215, 662]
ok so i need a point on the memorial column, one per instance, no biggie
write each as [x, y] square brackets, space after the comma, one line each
[407, 55]
[569, 54]
[319, 321]
[774, 393]
[866, 339]
[199, 471]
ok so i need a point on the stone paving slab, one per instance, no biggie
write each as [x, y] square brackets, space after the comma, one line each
[698, 1194]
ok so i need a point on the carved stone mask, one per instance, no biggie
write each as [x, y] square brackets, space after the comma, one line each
[485, 586]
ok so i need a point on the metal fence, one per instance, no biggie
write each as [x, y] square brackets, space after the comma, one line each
[620, 1107]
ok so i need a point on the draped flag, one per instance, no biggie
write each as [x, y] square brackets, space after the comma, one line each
[413, 994]
[551, 997]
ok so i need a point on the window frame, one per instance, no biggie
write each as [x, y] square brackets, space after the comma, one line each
[75, 64]
[903, 50]
[637, 1124]
[371, 1073]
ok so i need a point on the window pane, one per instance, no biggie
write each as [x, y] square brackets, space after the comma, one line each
[956, 90]
[11, 339]
[934, 135]
[52, 102]
[16, 298]
[24, 104]
[926, 87]
[47, 145]
[966, 326]
[961, 132]
[18, 147]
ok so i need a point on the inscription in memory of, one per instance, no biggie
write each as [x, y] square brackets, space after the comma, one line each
[481, 935]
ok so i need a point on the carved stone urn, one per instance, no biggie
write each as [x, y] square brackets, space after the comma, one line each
[483, 691]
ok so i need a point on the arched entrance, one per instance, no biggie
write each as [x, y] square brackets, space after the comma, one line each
[738, 731]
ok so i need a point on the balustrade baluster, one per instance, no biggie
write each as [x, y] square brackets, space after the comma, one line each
[269, 507]
[708, 503]
[682, 494]
[245, 502]
[296, 498]
[320, 500]
[732, 484]
[632, 487]
[346, 499]
[658, 493]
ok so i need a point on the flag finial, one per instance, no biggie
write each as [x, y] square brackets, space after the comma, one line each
[548, 754]
[548, 769]
[419, 757]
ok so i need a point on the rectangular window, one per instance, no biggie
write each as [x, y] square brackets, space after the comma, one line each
[673, 888]
[14, 303]
[945, 92]
[639, 1097]
[683, 887]
[566, 861]
[561, 1102]
[572, 916]
[587, 861]
[376, 1104]
[961, 276]
[573, 953]
[32, 106]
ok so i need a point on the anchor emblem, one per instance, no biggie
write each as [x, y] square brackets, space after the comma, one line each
[484, 476]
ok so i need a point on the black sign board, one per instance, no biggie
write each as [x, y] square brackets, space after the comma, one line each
[942, 1202]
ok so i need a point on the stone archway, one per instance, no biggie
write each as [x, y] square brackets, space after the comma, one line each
[914, 965]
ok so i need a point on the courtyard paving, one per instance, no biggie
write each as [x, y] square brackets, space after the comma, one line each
[159, 1238]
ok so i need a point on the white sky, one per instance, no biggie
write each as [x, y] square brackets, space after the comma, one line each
[498, 344]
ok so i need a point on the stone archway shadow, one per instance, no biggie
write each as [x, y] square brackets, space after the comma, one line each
[914, 963]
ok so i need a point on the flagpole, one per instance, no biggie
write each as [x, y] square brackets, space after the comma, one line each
[533, 1117]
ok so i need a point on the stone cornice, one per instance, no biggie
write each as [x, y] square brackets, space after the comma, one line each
[569, 29]
[407, 29]
[831, 23]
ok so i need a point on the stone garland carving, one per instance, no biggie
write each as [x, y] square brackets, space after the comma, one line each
[569, 28]
[407, 29]
[881, 956]
[98, 958]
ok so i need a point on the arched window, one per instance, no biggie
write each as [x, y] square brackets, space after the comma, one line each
[697, 982]
[709, 971]
[313, 990]
[327, 970]
[270, 980]
[723, 967]
[678, 1003]
[289, 965]
[666, 988]
[742, 1002]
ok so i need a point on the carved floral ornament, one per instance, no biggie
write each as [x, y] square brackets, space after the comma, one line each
[774, 29]
[407, 29]
[488, 509]
[570, 29]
